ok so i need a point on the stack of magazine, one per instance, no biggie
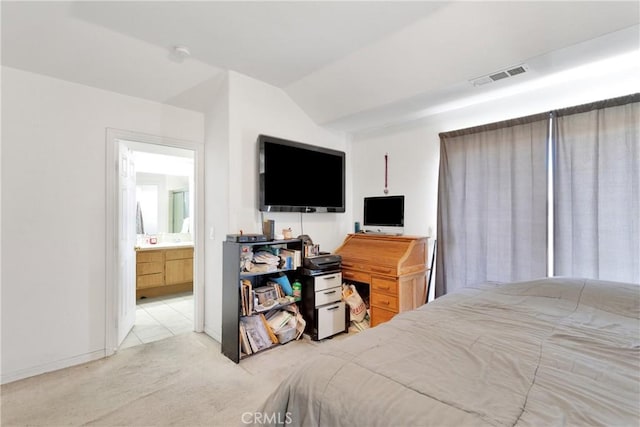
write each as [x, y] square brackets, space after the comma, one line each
[279, 319]
[255, 334]
[258, 332]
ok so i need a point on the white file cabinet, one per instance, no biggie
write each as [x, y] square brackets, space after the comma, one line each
[322, 305]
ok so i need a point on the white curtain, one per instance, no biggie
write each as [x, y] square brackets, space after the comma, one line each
[492, 204]
[597, 190]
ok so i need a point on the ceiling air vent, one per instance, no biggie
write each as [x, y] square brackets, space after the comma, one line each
[516, 71]
[500, 75]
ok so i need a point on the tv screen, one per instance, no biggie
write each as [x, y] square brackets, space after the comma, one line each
[297, 177]
[387, 211]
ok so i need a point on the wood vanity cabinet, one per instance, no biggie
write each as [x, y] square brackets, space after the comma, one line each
[178, 266]
[394, 267]
[163, 271]
[149, 269]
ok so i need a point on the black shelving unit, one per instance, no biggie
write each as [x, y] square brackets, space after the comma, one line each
[231, 288]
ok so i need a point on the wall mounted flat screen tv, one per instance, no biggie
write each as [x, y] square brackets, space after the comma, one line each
[298, 177]
[386, 211]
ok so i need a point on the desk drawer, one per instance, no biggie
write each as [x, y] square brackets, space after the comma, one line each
[384, 301]
[383, 269]
[369, 268]
[327, 281]
[327, 296]
[356, 276]
[379, 315]
[331, 320]
[384, 285]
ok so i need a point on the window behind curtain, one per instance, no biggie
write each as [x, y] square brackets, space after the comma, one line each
[492, 204]
[597, 190]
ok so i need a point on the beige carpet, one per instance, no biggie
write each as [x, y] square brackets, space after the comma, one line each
[182, 381]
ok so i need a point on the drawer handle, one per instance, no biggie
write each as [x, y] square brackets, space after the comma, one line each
[329, 278]
[333, 308]
[385, 302]
[383, 287]
[330, 292]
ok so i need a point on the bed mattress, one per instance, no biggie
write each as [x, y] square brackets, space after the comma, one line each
[557, 351]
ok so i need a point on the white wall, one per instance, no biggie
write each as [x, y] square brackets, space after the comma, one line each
[414, 147]
[412, 171]
[255, 108]
[53, 213]
[216, 187]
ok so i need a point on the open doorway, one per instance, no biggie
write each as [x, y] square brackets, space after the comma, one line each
[164, 183]
[155, 270]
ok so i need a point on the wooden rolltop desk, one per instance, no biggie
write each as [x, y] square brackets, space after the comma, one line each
[394, 267]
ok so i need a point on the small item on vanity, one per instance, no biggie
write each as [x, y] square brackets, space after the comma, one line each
[356, 228]
[286, 233]
[153, 240]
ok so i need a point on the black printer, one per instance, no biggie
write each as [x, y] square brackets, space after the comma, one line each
[321, 264]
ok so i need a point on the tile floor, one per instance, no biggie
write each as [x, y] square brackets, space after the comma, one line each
[161, 317]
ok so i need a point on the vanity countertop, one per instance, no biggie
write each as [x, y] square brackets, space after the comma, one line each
[163, 245]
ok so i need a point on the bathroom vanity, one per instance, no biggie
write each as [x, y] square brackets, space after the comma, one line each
[163, 269]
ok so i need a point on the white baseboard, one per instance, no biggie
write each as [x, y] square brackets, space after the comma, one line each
[52, 366]
[213, 334]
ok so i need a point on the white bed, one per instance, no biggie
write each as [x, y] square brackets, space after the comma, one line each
[556, 351]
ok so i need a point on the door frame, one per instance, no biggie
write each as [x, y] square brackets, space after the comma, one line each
[113, 222]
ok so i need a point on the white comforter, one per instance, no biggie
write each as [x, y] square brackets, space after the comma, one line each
[554, 351]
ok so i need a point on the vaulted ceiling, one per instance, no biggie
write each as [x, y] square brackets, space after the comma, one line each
[345, 63]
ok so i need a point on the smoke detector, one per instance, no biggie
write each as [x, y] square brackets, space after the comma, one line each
[500, 75]
[179, 53]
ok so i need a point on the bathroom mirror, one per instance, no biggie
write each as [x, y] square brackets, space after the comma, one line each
[163, 203]
[163, 191]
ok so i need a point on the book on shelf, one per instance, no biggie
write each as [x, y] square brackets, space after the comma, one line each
[247, 295]
[278, 319]
[287, 259]
[245, 347]
[294, 255]
[243, 300]
[278, 289]
[256, 332]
